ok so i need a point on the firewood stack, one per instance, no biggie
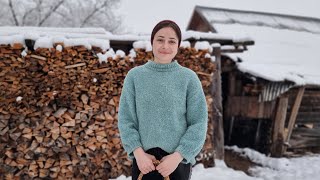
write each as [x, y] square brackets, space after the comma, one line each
[58, 111]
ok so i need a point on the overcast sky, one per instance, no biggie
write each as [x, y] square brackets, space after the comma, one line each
[142, 15]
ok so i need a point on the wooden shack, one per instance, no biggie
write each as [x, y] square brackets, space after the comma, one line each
[271, 93]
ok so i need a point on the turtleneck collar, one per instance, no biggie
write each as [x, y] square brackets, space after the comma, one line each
[174, 65]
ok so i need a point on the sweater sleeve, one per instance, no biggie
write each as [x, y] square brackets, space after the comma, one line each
[127, 117]
[197, 119]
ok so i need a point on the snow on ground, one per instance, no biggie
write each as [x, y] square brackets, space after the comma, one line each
[302, 168]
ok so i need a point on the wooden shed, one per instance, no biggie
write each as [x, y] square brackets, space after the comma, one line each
[271, 93]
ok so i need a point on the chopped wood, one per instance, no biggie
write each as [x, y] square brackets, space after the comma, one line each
[17, 46]
[38, 57]
[103, 70]
[65, 127]
[75, 65]
[60, 112]
[84, 98]
[70, 123]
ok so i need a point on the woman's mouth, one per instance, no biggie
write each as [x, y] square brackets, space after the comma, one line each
[164, 52]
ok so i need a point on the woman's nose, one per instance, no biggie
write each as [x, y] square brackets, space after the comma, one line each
[165, 45]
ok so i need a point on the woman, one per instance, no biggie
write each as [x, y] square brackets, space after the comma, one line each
[163, 111]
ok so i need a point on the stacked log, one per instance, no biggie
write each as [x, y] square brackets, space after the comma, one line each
[58, 111]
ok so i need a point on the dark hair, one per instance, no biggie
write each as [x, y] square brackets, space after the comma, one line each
[167, 23]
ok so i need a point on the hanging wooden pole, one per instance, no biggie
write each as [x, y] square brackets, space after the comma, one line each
[218, 139]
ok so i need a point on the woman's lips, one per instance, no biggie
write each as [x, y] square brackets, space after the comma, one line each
[164, 52]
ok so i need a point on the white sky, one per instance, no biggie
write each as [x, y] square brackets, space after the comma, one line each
[142, 15]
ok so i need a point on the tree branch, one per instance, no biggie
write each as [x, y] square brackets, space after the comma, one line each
[13, 13]
[95, 10]
[51, 12]
[26, 15]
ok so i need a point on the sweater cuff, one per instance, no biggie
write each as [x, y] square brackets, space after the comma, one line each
[187, 157]
[133, 146]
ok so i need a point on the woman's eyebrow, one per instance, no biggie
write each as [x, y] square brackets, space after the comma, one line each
[169, 38]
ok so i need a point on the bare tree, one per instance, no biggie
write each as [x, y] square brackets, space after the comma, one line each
[61, 13]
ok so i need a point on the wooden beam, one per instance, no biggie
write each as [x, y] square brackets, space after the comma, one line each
[218, 136]
[294, 112]
[278, 128]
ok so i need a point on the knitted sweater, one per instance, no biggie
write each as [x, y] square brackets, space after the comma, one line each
[163, 105]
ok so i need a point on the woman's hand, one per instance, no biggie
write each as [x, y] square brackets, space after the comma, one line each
[144, 161]
[169, 164]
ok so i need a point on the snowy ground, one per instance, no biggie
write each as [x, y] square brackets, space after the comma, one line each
[302, 168]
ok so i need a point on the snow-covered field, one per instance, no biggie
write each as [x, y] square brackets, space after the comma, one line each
[302, 168]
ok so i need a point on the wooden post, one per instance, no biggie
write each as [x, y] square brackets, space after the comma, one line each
[230, 129]
[293, 114]
[278, 128]
[218, 139]
[232, 83]
[257, 135]
[231, 93]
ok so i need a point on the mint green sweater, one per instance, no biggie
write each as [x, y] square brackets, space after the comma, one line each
[163, 105]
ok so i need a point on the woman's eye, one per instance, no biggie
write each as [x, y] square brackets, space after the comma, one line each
[160, 40]
[172, 42]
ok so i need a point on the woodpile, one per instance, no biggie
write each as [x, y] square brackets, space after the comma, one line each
[58, 111]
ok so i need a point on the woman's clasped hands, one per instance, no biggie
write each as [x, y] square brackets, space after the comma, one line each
[168, 163]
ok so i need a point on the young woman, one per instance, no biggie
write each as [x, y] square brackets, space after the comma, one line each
[163, 112]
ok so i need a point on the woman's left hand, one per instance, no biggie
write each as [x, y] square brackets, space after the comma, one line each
[169, 164]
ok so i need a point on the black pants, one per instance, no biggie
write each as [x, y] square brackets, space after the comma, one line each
[183, 171]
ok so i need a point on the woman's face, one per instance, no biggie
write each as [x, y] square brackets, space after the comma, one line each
[165, 45]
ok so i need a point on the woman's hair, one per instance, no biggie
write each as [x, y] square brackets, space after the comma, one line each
[167, 23]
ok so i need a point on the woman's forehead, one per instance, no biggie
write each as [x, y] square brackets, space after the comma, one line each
[166, 32]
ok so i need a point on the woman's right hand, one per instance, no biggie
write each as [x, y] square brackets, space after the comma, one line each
[144, 161]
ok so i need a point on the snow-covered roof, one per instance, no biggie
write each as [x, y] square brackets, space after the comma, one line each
[286, 47]
[46, 36]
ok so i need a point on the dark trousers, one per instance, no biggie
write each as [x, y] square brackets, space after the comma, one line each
[183, 171]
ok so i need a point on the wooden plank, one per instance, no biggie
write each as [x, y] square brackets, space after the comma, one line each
[232, 80]
[294, 112]
[249, 106]
[261, 110]
[230, 129]
[252, 108]
[306, 132]
[309, 108]
[304, 142]
[244, 107]
[257, 135]
[308, 117]
[278, 128]
[218, 133]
